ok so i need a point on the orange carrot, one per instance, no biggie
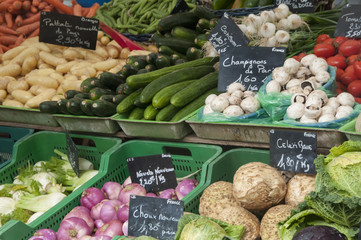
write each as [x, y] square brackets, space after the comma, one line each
[9, 19]
[34, 33]
[85, 11]
[17, 5]
[19, 20]
[26, 29]
[4, 48]
[4, 6]
[35, 3]
[1, 18]
[31, 19]
[19, 40]
[26, 5]
[42, 5]
[7, 40]
[5, 29]
[60, 6]
[77, 10]
[12, 10]
[92, 10]
[48, 8]
[29, 14]
[33, 9]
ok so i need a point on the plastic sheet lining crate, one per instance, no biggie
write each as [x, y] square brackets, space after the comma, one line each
[8, 137]
[40, 147]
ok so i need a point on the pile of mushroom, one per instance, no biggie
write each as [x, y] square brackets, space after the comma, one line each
[235, 102]
[299, 77]
[317, 107]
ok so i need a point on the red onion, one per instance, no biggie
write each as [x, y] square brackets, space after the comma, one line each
[81, 208]
[150, 194]
[38, 238]
[100, 237]
[111, 229]
[127, 181]
[91, 197]
[185, 187]
[85, 237]
[123, 213]
[72, 229]
[46, 233]
[111, 190]
[109, 210]
[131, 189]
[95, 211]
[125, 228]
[81, 214]
[98, 223]
[168, 194]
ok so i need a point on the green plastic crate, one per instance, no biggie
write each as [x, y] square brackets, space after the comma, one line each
[40, 147]
[188, 158]
[8, 137]
[350, 132]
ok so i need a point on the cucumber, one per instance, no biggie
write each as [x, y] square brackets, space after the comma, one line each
[127, 89]
[204, 12]
[118, 98]
[73, 106]
[102, 108]
[173, 58]
[165, 50]
[97, 92]
[86, 107]
[151, 57]
[203, 25]
[140, 64]
[167, 35]
[162, 62]
[70, 94]
[162, 98]
[150, 112]
[141, 80]
[132, 59]
[184, 19]
[62, 106]
[194, 53]
[177, 44]
[111, 80]
[174, 77]
[86, 85]
[128, 70]
[185, 33]
[138, 103]
[150, 67]
[82, 95]
[165, 114]
[107, 97]
[128, 103]
[49, 107]
[201, 39]
[194, 90]
[136, 114]
[193, 106]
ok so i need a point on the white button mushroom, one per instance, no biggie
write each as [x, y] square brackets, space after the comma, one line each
[314, 102]
[273, 86]
[250, 104]
[317, 65]
[294, 90]
[319, 94]
[322, 76]
[296, 110]
[234, 100]
[343, 111]
[307, 60]
[294, 82]
[333, 102]
[299, 97]
[305, 119]
[303, 73]
[291, 65]
[311, 112]
[231, 88]
[346, 99]
[207, 109]
[233, 111]
[219, 104]
[210, 98]
[307, 86]
[326, 118]
[328, 110]
[237, 94]
[281, 76]
[225, 95]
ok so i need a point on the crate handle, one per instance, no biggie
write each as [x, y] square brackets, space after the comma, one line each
[5, 135]
[83, 141]
[177, 151]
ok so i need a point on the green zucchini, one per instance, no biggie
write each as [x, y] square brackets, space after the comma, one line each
[203, 25]
[140, 64]
[86, 85]
[204, 12]
[173, 58]
[151, 57]
[96, 83]
[178, 44]
[194, 53]
[150, 67]
[128, 70]
[162, 98]
[118, 98]
[120, 88]
[213, 23]
[194, 90]
[184, 19]
[62, 105]
[71, 93]
[193, 106]
[162, 62]
[201, 39]
[127, 89]
[165, 114]
[128, 103]
[132, 59]
[150, 112]
[165, 50]
[171, 78]
[49, 107]
[185, 33]
[86, 107]
[107, 97]
[97, 92]
[180, 61]
[111, 80]
[222, 4]
[82, 95]
[102, 108]
[141, 71]
[73, 106]
[138, 103]
[141, 80]
[136, 114]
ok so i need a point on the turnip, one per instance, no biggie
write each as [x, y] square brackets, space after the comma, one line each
[233, 101]
[231, 88]
[298, 187]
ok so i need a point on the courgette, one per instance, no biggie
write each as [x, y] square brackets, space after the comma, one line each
[73, 106]
[171, 78]
[49, 107]
[120, 89]
[71, 93]
[194, 53]
[263, 3]
[204, 12]
[183, 32]
[150, 67]
[178, 44]
[165, 114]
[118, 98]
[102, 108]
[192, 91]
[62, 105]
[86, 85]
[141, 71]
[97, 92]
[107, 97]
[150, 112]
[173, 58]
[203, 25]
[138, 103]
[132, 59]
[201, 39]
[96, 83]
[193, 106]
[82, 95]
[140, 64]
[184, 19]
[141, 80]
[250, 3]
[111, 80]
[128, 103]
[165, 50]
[162, 62]
[162, 98]
[128, 70]
[127, 89]
[136, 114]
[86, 107]
[213, 23]
[151, 57]
[180, 61]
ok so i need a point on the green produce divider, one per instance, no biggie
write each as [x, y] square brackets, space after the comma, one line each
[350, 132]
[8, 137]
[40, 147]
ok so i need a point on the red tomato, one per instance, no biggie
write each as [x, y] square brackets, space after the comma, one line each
[355, 88]
[324, 50]
[350, 47]
[339, 40]
[301, 55]
[347, 78]
[350, 69]
[321, 38]
[358, 100]
[339, 91]
[339, 73]
[341, 86]
[330, 41]
[337, 61]
[352, 59]
[357, 68]
[296, 58]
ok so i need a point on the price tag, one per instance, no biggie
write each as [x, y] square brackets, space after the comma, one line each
[155, 217]
[68, 30]
[293, 151]
[181, 6]
[298, 6]
[155, 173]
[249, 66]
[227, 34]
[349, 23]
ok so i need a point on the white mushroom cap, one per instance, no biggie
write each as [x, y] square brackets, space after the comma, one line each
[233, 111]
[299, 97]
[303, 73]
[282, 77]
[326, 118]
[343, 111]
[322, 76]
[291, 65]
[326, 110]
[207, 109]
[231, 88]
[294, 82]
[346, 99]
[219, 104]
[333, 102]
[320, 94]
[250, 104]
[305, 119]
[210, 98]
[307, 60]
[296, 110]
[312, 113]
[313, 102]
[273, 86]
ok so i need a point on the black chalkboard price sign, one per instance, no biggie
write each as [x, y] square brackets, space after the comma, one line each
[293, 151]
[154, 217]
[249, 66]
[227, 34]
[68, 30]
[155, 173]
[180, 6]
[349, 22]
[298, 6]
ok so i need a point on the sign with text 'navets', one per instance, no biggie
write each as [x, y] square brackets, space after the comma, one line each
[68, 30]
[249, 66]
[298, 6]
[293, 151]
[154, 217]
[349, 22]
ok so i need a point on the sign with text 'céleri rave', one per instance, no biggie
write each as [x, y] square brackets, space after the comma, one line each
[298, 6]
[227, 34]
[155, 173]
[154, 217]
[349, 22]
[249, 66]
[68, 30]
[293, 151]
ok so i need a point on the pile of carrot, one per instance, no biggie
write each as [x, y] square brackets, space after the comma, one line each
[20, 19]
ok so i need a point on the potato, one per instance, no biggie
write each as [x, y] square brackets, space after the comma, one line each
[60, 90]
[71, 85]
[87, 71]
[42, 72]
[29, 64]
[37, 89]
[114, 43]
[101, 51]
[30, 41]
[100, 35]
[258, 186]
[65, 68]
[44, 81]
[17, 85]
[139, 52]
[113, 51]
[268, 228]
[11, 69]
[3, 94]
[57, 97]
[10, 54]
[93, 56]
[115, 69]
[105, 65]
[59, 77]
[4, 81]
[9, 97]
[124, 53]
[44, 96]
[12, 103]
[22, 95]
[51, 59]
[104, 40]
[298, 187]
[72, 54]
[44, 65]
[71, 77]
[58, 52]
[30, 51]
[42, 47]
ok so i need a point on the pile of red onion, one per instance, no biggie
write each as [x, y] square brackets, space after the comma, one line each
[103, 213]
